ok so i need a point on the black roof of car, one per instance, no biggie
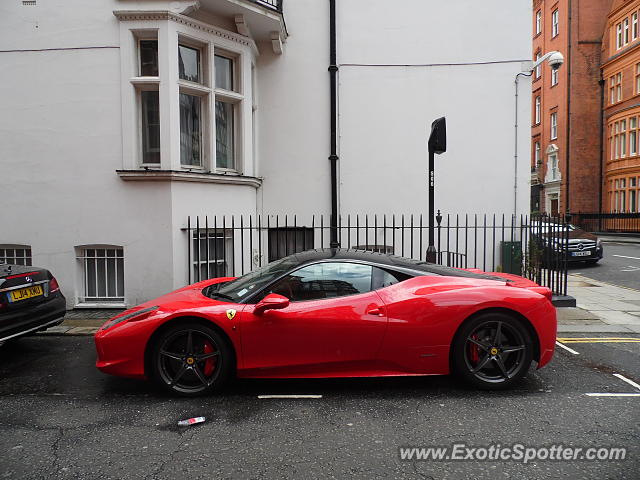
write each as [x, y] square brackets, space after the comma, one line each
[385, 260]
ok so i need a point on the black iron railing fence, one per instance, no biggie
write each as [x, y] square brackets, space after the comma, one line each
[534, 247]
[607, 222]
[272, 4]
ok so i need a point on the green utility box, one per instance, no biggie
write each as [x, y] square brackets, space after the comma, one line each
[511, 257]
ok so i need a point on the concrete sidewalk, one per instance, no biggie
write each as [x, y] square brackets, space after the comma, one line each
[601, 308]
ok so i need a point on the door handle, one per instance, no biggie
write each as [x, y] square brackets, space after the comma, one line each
[375, 311]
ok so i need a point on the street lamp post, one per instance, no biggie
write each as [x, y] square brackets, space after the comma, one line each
[437, 144]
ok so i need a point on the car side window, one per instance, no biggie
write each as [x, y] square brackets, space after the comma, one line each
[385, 278]
[325, 280]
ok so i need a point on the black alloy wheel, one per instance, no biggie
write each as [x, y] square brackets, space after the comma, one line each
[492, 351]
[191, 359]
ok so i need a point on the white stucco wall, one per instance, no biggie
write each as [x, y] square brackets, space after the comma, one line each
[61, 127]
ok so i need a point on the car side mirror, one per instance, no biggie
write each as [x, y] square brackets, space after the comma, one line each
[273, 301]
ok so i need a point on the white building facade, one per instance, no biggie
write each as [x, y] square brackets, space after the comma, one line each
[120, 119]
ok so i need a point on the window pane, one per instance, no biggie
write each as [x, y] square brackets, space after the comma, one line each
[325, 280]
[189, 63]
[224, 135]
[190, 130]
[224, 72]
[148, 58]
[150, 127]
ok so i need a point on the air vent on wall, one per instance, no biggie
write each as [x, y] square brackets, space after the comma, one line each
[28, 3]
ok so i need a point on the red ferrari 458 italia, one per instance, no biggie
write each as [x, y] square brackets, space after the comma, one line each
[335, 313]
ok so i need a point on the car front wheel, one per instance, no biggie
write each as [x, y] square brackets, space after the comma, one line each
[492, 351]
[191, 359]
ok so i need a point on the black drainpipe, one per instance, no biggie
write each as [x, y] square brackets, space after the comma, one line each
[333, 157]
[568, 146]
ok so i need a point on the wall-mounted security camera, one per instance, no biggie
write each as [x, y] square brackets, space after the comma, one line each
[556, 59]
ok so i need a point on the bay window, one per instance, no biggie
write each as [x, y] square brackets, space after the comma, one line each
[187, 100]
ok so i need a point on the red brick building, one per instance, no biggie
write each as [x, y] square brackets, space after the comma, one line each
[621, 116]
[567, 105]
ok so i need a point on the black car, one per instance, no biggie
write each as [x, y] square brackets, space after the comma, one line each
[554, 241]
[30, 300]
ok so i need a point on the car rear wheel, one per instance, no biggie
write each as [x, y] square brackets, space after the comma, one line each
[191, 359]
[492, 351]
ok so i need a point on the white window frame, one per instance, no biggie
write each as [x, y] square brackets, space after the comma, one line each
[236, 98]
[538, 22]
[633, 136]
[538, 109]
[634, 26]
[85, 254]
[536, 153]
[539, 67]
[208, 257]
[202, 91]
[625, 31]
[554, 125]
[619, 86]
[555, 18]
[619, 36]
[554, 77]
[9, 253]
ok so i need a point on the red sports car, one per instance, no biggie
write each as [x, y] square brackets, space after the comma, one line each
[335, 313]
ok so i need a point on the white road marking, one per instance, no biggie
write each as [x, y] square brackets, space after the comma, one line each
[625, 379]
[288, 396]
[570, 350]
[631, 268]
[613, 394]
[624, 256]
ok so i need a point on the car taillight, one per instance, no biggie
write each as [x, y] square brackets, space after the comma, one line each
[53, 285]
[544, 291]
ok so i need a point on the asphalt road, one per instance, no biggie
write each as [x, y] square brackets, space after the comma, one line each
[620, 265]
[60, 418]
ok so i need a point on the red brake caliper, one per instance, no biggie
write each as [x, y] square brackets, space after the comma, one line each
[474, 354]
[209, 363]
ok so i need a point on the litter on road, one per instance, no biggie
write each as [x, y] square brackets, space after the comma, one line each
[191, 421]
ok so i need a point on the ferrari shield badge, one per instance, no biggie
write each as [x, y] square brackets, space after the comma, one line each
[231, 313]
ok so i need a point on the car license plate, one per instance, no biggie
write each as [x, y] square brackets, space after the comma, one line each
[24, 293]
[581, 254]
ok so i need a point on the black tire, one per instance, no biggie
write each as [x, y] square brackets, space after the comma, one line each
[489, 361]
[191, 359]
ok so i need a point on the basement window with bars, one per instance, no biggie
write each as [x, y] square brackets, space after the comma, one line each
[212, 253]
[103, 274]
[15, 254]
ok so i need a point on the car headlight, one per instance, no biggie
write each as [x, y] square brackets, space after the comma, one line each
[599, 243]
[130, 316]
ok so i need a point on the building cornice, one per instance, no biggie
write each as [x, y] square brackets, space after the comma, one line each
[149, 15]
[188, 176]
[620, 54]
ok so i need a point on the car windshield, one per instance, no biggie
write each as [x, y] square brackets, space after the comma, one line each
[240, 288]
